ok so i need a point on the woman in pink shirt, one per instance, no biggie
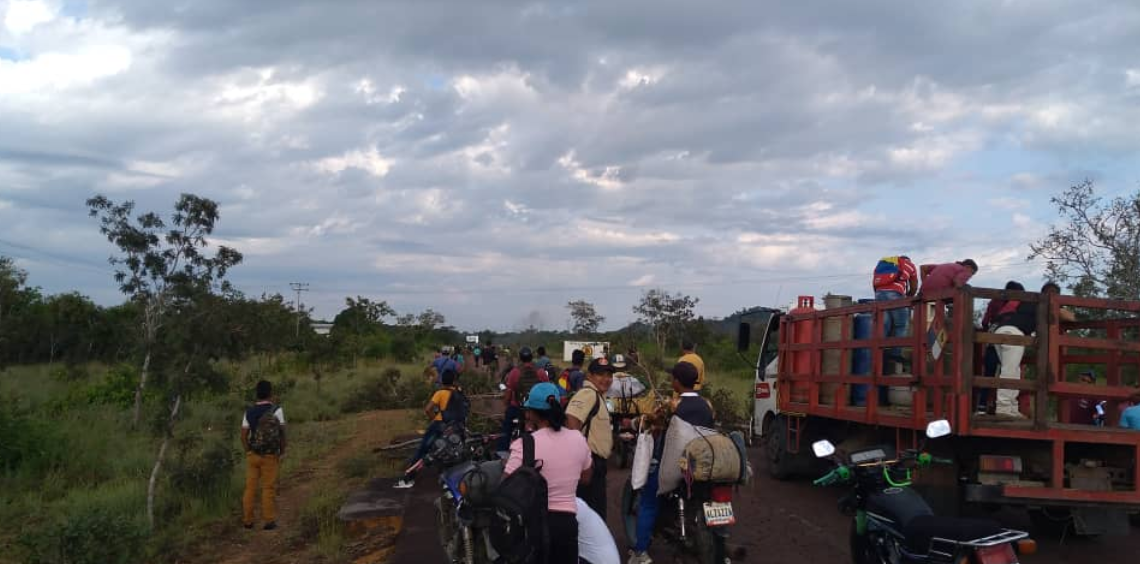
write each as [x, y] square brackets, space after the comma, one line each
[563, 459]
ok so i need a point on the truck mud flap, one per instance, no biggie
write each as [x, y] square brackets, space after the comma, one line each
[1095, 521]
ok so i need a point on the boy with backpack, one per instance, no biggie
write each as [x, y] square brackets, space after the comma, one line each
[572, 379]
[446, 409]
[263, 437]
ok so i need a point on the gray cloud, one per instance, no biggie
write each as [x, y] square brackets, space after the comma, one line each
[495, 159]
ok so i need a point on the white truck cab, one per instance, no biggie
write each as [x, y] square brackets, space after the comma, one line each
[761, 327]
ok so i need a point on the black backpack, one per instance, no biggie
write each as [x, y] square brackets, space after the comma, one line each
[520, 534]
[457, 408]
[528, 377]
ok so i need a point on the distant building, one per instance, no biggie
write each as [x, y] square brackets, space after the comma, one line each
[321, 328]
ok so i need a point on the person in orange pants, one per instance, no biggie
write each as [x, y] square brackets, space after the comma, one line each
[263, 436]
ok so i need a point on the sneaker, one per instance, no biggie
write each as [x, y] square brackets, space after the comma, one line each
[640, 558]
[404, 484]
[270, 526]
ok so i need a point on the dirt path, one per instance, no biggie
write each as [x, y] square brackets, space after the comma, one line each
[232, 544]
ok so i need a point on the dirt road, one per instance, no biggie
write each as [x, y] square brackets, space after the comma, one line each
[778, 522]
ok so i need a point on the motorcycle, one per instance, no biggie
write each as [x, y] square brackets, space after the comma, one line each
[894, 525]
[468, 474]
[696, 518]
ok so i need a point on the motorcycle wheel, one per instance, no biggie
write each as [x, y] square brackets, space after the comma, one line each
[448, 530]
[861, 550]
[779, 459]
[708, 546]
[630, 500]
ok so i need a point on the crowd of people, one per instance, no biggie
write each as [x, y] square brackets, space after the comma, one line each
[569, 425]
[896, 277]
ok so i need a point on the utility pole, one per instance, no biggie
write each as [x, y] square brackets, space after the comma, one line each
[298, 287]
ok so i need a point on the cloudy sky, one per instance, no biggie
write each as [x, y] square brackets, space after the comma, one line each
[495, 159]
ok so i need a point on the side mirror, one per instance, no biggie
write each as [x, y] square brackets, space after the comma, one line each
[743, 336]
[823, 449]
[939, 428]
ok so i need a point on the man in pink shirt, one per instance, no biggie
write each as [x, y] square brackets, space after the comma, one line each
[949, 275]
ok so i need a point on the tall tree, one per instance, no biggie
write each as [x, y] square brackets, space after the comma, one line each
[1095, 247]
[586, 318]
[665, 314]
[157, 265]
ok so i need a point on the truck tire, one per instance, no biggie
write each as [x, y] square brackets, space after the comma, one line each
[780, 461]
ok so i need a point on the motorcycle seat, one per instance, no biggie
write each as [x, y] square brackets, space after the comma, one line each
[923, 529]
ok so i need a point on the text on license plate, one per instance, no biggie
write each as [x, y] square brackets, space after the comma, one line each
[718, 514]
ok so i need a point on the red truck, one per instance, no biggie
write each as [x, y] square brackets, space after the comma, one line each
[824, 374]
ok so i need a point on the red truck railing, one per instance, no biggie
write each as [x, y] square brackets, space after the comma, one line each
[817, 349]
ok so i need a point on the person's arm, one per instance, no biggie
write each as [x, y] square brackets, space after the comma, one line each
[911, 279]
[283, 442]
[1067, 315]
[587, 474]
[514, 461]
[245, 438]
[962, 277]
[577, 412]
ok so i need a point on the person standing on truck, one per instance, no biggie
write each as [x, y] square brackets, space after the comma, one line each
[1130, 417]
[588, 412]
[689, 355]
[894, 278]
[1019, 318]
[990, 358]
[950, 275]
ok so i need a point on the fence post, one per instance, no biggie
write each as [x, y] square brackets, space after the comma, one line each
[1045, 321]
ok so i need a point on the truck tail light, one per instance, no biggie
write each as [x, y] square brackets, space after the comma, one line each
[763, 390]
[1002, 464]
[999, 554]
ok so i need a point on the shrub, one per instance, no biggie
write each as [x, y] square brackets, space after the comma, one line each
[116, 388]
[202, 470]
[24, 441]
[88, 534]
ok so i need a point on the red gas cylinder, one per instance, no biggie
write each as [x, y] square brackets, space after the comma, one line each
[802, 332]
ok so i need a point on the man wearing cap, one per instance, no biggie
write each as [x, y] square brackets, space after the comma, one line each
[694, 410]
[588, 413]
[689, 355]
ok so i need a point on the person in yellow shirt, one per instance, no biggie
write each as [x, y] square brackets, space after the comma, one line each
[689, 355]
[440, 417]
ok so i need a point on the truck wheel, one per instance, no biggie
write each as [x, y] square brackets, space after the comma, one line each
[779, 459]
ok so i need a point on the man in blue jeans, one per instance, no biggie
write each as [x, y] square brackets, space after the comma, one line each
[689, 407]
[895, 277]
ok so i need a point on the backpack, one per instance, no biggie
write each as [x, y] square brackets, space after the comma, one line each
[887, 271]
[570, 380]
[528, 377]
[593, 413]
[520, 534]
[457, 408]
[267, 433]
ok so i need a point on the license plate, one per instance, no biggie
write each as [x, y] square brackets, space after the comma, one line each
[718, 514]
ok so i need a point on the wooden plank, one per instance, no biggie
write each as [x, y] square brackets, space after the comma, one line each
[996, 339]
[1092, 391]
[1071, 495]
[1044, 368]
[993, 383]
[1101, 344]
[964, 387]
[987, 427]
[1099, 303]
[997, 294]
